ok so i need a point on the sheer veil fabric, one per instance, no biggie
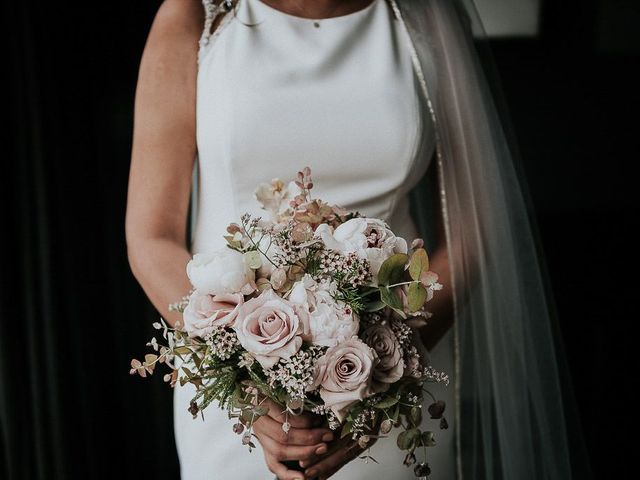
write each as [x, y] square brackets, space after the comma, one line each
[511, 383]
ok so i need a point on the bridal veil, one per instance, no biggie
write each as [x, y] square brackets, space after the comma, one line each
[512, 387]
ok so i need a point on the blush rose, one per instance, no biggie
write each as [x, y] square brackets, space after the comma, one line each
[344, 375]
[204, 312]
[270, 328]
[390, 368]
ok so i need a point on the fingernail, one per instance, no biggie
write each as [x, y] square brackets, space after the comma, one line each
[322, 449]
[327, 437]
[311, 473]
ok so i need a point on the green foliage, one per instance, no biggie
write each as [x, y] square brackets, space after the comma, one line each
[428, 439]
[390, 298]
[350, 296]
[386, 403]
[392, 269]
[374, 306]
[418, 264]
[416, 296]
[220, 385]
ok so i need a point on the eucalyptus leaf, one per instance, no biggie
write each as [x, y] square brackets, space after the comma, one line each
[346, 430]
[374, 306]
[395, 413]
[403, 441]
[150, 358]
[413, 437]
[416, 415]
[392, 269]
[416, 296]
[386, 403]
[419, 263]
[391, 298]
[428, 439]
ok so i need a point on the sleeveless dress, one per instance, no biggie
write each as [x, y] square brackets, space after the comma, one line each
[277, 92]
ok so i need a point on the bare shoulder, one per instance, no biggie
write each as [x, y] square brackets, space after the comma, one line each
[180, 17]
[177, 26]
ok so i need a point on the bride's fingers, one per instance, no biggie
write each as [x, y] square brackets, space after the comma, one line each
[333, 462]
[280, 470]
[295, 436]
[290, 452]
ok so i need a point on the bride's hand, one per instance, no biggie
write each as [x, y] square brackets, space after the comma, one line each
[301, 443]
[341, 452]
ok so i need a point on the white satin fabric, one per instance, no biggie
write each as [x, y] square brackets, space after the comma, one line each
[272, 98]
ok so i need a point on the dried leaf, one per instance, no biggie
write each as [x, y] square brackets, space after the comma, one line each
[253, 259]
[150, 358]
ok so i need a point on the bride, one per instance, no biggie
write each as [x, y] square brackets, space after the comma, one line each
[374, 96]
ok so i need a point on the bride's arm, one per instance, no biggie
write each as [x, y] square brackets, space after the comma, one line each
[164, 147]
[162, 156]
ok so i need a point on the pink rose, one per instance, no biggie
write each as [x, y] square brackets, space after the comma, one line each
[205, 312]
[390, 368]
[270, 328]
[344, 374]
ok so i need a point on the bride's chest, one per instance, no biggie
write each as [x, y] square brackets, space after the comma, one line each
[270, 104]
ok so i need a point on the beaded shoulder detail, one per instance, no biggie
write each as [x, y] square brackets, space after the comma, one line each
[211, 12]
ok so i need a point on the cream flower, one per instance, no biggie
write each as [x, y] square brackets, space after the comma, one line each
[330, 321]
[370, 238]
[220, 272]
[275, 196]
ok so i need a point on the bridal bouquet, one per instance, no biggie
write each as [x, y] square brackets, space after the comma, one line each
[316, 309]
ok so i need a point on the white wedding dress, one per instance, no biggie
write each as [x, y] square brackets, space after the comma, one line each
[340, 96]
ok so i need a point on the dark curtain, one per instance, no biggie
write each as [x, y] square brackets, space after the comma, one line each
[72, 316]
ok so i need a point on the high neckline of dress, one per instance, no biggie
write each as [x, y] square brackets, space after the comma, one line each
[339, 18]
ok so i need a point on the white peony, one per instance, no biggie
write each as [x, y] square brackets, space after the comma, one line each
[370, 238]
[220, 272]
[330, 322]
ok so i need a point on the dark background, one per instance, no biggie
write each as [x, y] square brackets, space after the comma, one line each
[72, 316]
